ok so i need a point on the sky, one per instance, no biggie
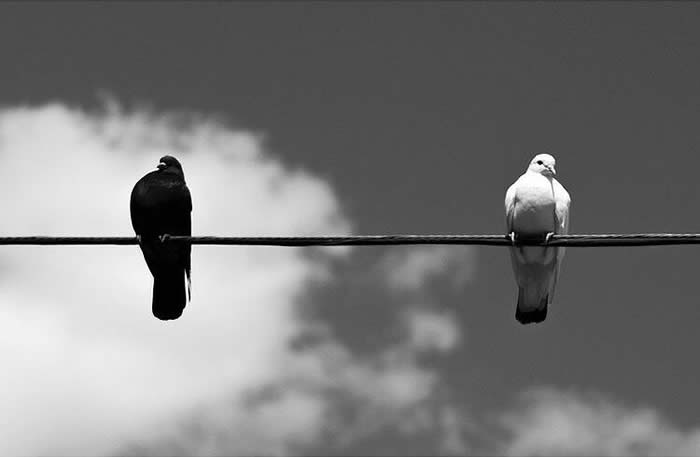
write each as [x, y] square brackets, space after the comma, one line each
[333, 118]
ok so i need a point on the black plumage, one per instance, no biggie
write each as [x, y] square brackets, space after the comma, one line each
[161, 204]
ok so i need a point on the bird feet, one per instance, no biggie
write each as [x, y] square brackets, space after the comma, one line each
[164, 238]
[138, 239]
[547, 238]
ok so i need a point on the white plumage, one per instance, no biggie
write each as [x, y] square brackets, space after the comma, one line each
[536, 205]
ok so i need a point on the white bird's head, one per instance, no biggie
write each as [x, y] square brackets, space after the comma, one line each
[543, 164]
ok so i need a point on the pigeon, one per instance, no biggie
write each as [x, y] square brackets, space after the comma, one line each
[537, 206]
[161, 204]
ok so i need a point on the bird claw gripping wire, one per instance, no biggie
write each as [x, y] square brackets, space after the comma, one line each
[164, 238]
[547, 238]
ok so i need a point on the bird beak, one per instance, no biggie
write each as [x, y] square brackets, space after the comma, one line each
[551, 170]
[161, 166]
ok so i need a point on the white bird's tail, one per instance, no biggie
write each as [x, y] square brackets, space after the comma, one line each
[536, 271]
[532, 305]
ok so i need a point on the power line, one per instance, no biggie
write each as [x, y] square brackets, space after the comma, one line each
[600, 240]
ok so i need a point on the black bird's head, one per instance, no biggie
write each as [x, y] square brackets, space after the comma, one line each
[169, 164]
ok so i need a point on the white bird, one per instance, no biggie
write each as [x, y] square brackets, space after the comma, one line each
[537, 206]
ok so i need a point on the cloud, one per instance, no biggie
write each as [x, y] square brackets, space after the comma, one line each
[86, 367]
[554, 422]
[337, 398]
[410, 269]
[452, 425]
[431, 330]
[354, 396]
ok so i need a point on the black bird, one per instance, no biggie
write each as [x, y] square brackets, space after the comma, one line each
[161, 204]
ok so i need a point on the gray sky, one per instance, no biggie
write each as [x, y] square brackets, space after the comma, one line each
[375, 118]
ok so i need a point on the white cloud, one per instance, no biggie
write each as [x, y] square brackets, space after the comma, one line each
[431, 330]
[334, 397]
[324, 395]
[86, 367]
[410, 268]
[552, 422]
[452, 425]
[89, 370]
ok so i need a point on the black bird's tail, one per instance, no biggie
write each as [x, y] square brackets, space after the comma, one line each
[169, 295]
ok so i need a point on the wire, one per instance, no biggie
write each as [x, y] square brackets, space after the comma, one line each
[601, 240]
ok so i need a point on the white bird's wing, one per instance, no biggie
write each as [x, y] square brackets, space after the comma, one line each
[511, 197]
[562, 205]
[510, 204]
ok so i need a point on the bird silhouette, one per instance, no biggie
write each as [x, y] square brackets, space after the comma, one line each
[161, 204]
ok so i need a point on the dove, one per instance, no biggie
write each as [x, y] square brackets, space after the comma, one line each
[537, 206]
[161, 204]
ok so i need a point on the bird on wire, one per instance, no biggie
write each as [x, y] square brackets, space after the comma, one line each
[161, 205]
[537, 207]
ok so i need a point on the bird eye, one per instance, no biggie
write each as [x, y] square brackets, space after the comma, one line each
[539, 162]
